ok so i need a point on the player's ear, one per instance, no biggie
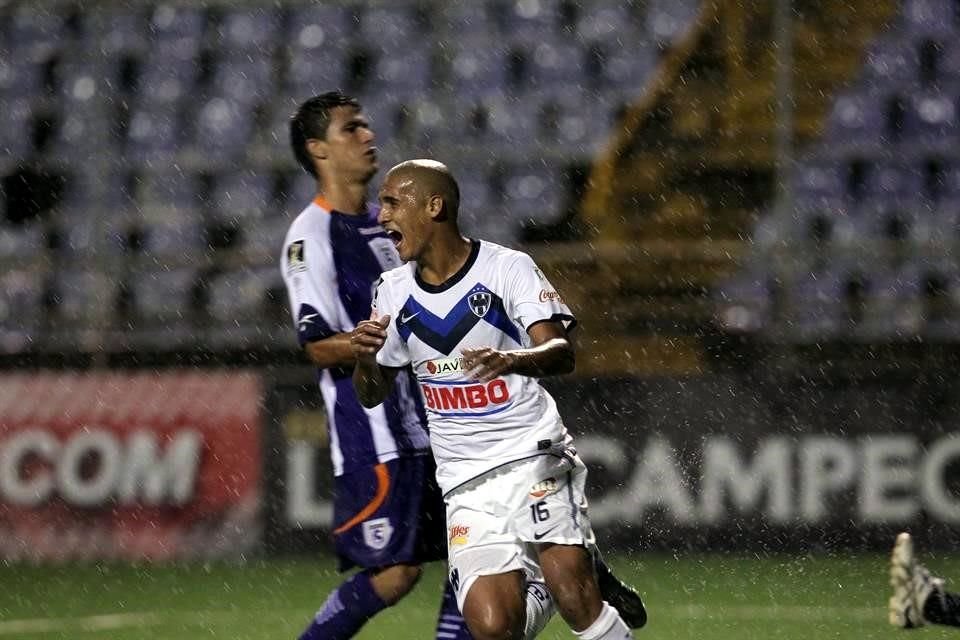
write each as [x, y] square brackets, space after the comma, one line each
[317, 148]
[435, 207]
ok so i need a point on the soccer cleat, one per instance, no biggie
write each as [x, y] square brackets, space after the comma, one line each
[912, 585]
[620, 596]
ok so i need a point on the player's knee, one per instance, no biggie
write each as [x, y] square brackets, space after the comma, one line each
[496, 624]
[393, 583]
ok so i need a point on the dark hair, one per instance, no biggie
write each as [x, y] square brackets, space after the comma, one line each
[311, 121]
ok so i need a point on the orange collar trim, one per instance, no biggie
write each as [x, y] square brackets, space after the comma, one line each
[320, 201]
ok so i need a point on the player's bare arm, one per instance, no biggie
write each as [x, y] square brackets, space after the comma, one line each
[371, 381]
[551, 355]
[334, 351]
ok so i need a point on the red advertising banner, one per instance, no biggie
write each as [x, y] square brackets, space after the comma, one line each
[146, 466]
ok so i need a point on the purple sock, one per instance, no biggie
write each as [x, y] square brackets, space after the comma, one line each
[451, 625]
[346, 610]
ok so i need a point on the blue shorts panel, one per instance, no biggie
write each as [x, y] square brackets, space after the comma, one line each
[389, 514]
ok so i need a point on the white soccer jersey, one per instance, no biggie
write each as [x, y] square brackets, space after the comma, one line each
[491, 302]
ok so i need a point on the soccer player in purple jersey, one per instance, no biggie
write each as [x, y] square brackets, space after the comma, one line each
[388, 511]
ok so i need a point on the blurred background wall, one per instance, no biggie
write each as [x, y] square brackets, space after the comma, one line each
[752, 207]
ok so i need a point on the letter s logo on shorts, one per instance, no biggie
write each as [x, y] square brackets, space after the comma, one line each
[459, 535]
[465, 399]
[377, 533]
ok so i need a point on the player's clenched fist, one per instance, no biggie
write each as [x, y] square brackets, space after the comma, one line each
[368, 337]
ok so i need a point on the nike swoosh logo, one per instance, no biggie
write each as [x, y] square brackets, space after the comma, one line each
[406, 319]
[537, 536]
[308, 319]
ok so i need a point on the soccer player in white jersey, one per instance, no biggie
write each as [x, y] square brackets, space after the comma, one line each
[479, 323]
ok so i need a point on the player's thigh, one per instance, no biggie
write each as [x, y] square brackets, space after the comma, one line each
[481, 537]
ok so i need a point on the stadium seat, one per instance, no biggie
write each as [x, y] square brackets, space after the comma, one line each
[256, 30]
[168, 75]
[474, 18]
[532, 21]
[83, 296]
[20, 79]
[476, 68]
[222, 127]
[242, 80]
[237, 302]
[21, 309]
[826, 303]
[667, 20]
[178, 22]
[820, 185]
[21, 242]
[320, 26]
[557, 61]
[392, 25]
[885, 181]
[314, 70]
[744, 302]
[242, 196]
[33, 36]
[621, 65]
[856, 123]
[397, 71]
[15, 135]
[608, 20]
[929, 17]
[892, 61]
[114, 30]
[153, 134]
[161, 296]
[535, 193]
[174, 234]
[930, 121]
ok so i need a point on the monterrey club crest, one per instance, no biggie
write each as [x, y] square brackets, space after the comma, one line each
[479, 303]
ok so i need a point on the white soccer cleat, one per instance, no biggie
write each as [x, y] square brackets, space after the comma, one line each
[912, 585]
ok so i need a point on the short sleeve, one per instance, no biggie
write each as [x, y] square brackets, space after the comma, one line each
[533, 298]
[394, 352]
[312, 290]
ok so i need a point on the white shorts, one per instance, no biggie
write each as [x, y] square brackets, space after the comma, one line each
[495, 521]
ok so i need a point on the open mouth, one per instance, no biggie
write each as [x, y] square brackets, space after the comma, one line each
[395, 237]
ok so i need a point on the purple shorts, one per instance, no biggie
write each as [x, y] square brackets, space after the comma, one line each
[388, 514]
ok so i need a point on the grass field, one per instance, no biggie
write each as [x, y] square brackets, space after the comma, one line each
[706, 597]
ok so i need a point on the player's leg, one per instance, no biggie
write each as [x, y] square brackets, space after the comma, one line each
[490, 567]
[360, 598]
[494, 606]
[568, 570]
[450, 622]
[432, 545]
[555, 521]
[918, 597]
[375, 516]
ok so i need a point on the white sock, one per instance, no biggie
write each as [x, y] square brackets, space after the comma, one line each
[540, 609]
[608, 626]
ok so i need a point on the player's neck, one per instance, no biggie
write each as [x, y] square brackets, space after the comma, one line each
[345, 197]
[443, 258]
